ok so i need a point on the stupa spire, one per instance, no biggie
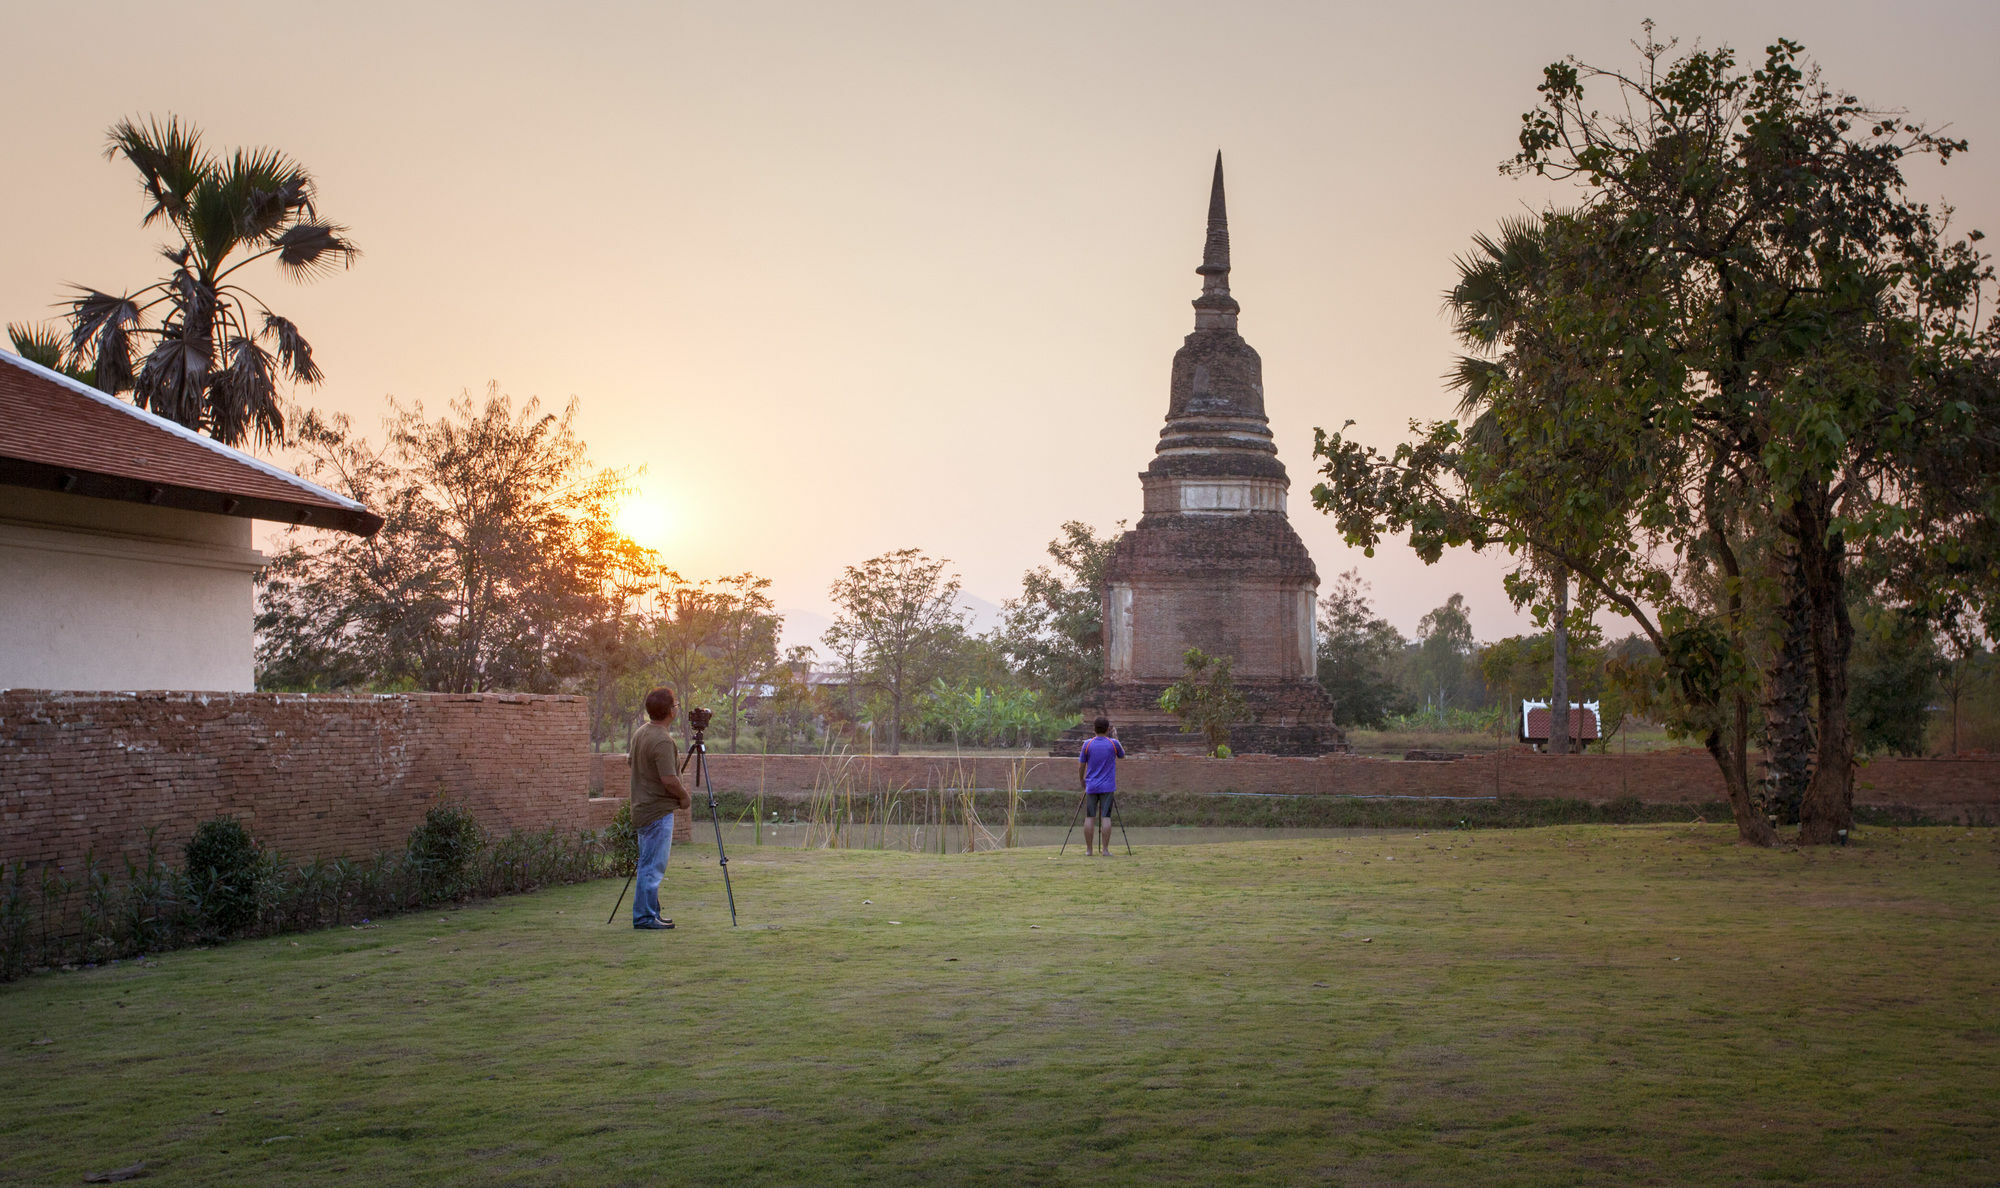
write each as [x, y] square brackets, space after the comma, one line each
[1215, 309]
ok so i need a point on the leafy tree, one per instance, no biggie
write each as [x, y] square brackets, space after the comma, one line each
[1441, 667]
[786, 718]
[684, 636]
[1493, 307]
[496, 564]
[1055, 630]
[1358, 656]
[197, 347]
[746, 640]
[898, 615]
[1205, 699]
[1751, 330]
[1895, 674]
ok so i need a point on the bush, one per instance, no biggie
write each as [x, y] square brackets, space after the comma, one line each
[220, 876]
[442, 850]
[621, 841]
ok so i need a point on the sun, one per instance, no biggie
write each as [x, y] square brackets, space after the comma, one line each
[645, 520]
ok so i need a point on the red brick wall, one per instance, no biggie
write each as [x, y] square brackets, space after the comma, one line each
[314, 776]
[611, 786]
[1661, 777]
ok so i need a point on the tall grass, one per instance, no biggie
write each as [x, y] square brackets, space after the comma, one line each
[841, 814]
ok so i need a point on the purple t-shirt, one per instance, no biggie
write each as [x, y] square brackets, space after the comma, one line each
[1100, 756]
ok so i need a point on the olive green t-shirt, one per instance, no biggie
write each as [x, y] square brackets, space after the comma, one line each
[656, 781]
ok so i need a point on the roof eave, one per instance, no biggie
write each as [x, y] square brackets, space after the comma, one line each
[40, 476]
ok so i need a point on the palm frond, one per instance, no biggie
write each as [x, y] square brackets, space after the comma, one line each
[265, 190]
[243, 395]
[1474, 380]
[174, 378]
[169, 159]
[43, 344]
[293, 349]
[100, 337]
[313, 248]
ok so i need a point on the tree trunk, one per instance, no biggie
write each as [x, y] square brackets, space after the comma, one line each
[1828, 808]
[1730, 755]
[1559, 727]
[1788, 723]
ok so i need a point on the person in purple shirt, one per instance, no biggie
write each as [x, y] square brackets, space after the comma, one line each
[1097, 772]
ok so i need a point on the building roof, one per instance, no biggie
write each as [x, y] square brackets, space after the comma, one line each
[1536, 720]
[61, 435]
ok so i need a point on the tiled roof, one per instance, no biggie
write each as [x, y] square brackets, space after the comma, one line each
[58, 434]
[1583, 724]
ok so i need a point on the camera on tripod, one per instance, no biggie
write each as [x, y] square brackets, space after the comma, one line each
[699, 718]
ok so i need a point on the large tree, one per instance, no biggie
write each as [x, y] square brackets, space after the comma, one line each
[1756, 331]
[496, 566]
[1055, 630]
[746, 640]
[198, 347]
[1358, 656]
[898, 615]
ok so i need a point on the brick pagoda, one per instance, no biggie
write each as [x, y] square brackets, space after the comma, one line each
[1214, 563]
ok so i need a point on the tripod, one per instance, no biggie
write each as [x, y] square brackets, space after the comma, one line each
[1080, 801]
[698, 755]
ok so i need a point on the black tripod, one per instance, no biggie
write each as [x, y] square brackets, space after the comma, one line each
[1080, 801]
[698, 755]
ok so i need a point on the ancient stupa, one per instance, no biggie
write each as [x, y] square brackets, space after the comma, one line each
[1214, 563]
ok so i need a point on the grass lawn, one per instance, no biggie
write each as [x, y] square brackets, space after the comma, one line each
[1591, 1004]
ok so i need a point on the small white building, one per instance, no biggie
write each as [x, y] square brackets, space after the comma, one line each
[125, 547]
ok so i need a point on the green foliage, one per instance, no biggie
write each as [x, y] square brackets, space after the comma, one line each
[1441, 670]
[155, 907]
[622, 841]
[1893, 679]
[1055, 630]
[1205, 699]
[220, 871]
[898, 621]
[1358, 656]
[442, 851]
[497, 566]
[1746, 331]
[976, 716]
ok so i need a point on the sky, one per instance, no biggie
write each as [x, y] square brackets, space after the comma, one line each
[847, 278]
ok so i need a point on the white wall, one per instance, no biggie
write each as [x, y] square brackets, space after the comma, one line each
[97, 594]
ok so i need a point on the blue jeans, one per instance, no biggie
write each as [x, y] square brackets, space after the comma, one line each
[656, 842]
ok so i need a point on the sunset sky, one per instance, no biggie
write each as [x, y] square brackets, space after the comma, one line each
[851, 277]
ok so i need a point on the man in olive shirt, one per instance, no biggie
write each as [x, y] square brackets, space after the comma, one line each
[656, 793]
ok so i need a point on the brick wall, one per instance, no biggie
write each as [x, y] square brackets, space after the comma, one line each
[314, 776]
[1944, 787]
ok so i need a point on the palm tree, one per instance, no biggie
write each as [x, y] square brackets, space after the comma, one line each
[48, 346]
[193, 346]
[1496, 288]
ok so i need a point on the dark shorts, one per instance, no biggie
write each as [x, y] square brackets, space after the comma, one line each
[1097, 804]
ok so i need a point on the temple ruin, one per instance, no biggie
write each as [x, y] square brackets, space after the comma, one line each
[1214, 563]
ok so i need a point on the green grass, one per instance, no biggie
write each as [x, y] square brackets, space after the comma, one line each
[1593, 1004]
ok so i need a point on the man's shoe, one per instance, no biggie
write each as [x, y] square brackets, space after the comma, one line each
[653, 925]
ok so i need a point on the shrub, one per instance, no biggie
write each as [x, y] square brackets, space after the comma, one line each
[621, 841]
[442, 850]
[220, 876]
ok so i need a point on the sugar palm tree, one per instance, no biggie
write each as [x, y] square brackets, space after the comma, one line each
[1495, 293]
[49, 346]
[197, 347]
